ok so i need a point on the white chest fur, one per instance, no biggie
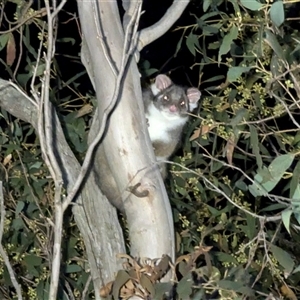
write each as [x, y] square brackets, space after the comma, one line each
[160, 124]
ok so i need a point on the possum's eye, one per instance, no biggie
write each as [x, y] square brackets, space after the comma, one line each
[166, 98]
[182, 103]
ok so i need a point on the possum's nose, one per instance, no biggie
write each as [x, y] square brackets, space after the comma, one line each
[173, 108]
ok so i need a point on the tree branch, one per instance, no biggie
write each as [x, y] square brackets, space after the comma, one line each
[94, 216]
[152, 33]
[129, 46]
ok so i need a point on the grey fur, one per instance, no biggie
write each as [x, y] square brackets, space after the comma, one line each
[163, 94]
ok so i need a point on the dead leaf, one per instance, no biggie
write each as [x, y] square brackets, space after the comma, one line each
[105, 290]
[161, 268]
[127, 290]
[229, 149]
[84, 110]
[287, 292]
[122, 284]
[224, 107]
[201, 131]
[223, 85]
[11, 50]
[7, 159]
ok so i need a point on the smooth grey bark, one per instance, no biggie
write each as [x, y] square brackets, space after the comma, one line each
[126, 145]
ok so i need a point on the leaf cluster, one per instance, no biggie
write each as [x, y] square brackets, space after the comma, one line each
[28, 188]
[235, 184]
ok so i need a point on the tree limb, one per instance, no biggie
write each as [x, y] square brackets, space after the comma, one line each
[152, 33]
[96, 218]
[127, 147]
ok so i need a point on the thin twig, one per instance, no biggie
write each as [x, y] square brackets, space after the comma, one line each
[270, 196]
[214, 188]
[69, 295]
[35, 94]
[54, 166]
[38, 13]
[86, 288]
[286, 108]
[48, 115]
[100, 33]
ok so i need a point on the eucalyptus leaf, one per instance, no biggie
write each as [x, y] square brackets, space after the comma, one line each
[294, 183]
[210, 30]
[257, 190]
[224, 257]
[230, 285]
[178, 47]
[252, 4]
[284, 258]
[73, 268]
[251, 228]
[192, 43]
[235, 72]
[214, 78]
[274, 207]
[76, 76]
[150, 71]
[241, 185]
[271, 39]
[239, 117]
[36, 165]
[286, 217]
[206, 5]
[277, 13]
[161, 288]
[27, 42]
[276, 169]
[3, 40]
[227, 41]
[147, 284]
[297, 216]
[184, 287]
[67, 40]
[19, 207]
[255, 145]
[210, 14]
[280, 164]
[296, 195]
[297, 269]
[40, 290]
[33, 260]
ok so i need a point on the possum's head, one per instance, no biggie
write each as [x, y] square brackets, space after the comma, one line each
[173, 99]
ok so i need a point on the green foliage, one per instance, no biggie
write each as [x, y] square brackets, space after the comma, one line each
[28, 233]
[28, 187]
[236, 184]
[234, 187]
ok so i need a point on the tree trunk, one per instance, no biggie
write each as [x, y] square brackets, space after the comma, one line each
[126, 146]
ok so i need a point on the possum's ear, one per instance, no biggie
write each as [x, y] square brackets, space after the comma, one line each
[193, 95]
[162, 82]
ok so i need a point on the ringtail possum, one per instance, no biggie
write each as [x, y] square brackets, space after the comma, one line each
[166, 108]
